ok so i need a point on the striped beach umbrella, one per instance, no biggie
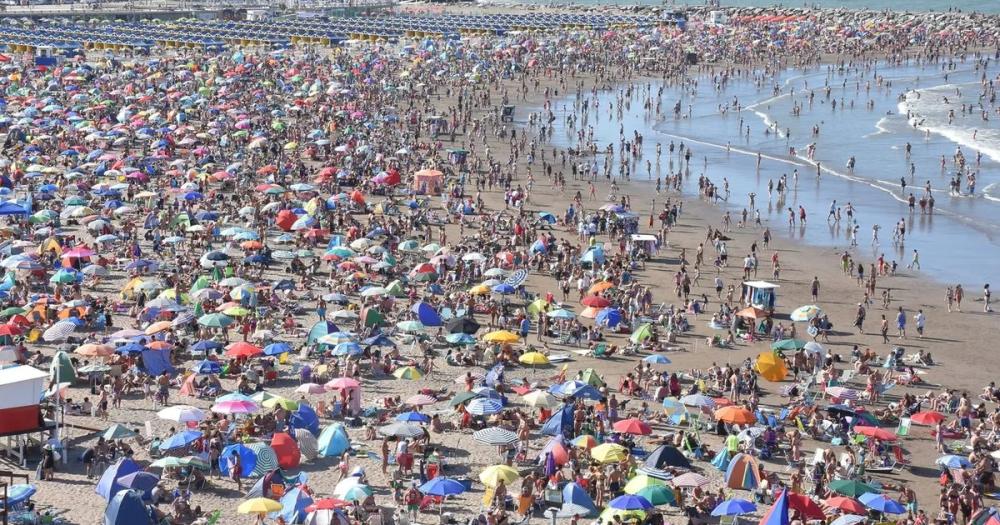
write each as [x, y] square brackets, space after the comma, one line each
[267, 460]
[495, 436]
[307, 443]
[482, 406]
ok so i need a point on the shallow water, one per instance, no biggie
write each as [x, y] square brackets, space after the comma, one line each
[980, 6]
[959, 242]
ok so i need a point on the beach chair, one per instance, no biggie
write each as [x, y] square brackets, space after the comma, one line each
[904, 427]
[897, 453]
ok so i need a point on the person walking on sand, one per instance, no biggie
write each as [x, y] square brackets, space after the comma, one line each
[920, 320]
[815, 288]
[901, 323]
[986, 298]
[884, 328]
[959, 294]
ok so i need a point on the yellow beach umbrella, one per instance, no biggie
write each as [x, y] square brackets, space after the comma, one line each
[501, 336]
[479, 289]
[771, 367]
[492, 476]
[285, 403]
[533, 358]
[258, 506]
[608, 453]
[408, 372]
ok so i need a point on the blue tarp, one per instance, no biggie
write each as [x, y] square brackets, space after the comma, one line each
[126, 508]
[157, 361]
[108, 485]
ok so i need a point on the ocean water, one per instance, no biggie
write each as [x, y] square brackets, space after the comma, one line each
[958, 242]
[979, 6]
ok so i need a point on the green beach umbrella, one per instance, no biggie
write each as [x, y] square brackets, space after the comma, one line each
[788, 344]
[215, 320]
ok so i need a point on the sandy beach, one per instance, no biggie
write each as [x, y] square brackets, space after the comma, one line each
[959, 341]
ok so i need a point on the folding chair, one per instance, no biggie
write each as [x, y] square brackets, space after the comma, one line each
[904, 427]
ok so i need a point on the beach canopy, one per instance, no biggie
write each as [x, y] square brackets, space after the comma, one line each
[778, 513]
[577, 502]
[108, 486]
[743, 472]
[333, 441]
[127, 508]
[294, 503]
[248, 459]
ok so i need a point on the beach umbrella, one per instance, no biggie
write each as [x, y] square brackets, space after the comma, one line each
[849, 519]
[491, 476]
[267, 460]
[881, 503]
[953, 461]
[880, 434]
[308, 443]
[501, 336]
[144, 482]
[412, 417]
[771, 367]
[928, 418]
[180, 439]
[442, 487]
[278, 401]
[540, 399]
[630, 502]
[735, 415]
[806, 313]
[845, 504]
[204, 367]
[463, 324]
[657, 495]
[734, 507]
[608, 453]
[310, 388]
[277, 348]
[595, 301]
[235, 407]
[690, 480]
[259, 506]
[481, 406]
[657, 359]
[419, 400]
[495, 436]
[215, 320]
[243, 349]
[108, 485]
[632, 426]
[117, 431]
[851, 487]
[788, 344]
[697, 400]
[533, 359]
[401, 430]
[407, 372]
[181, 413]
